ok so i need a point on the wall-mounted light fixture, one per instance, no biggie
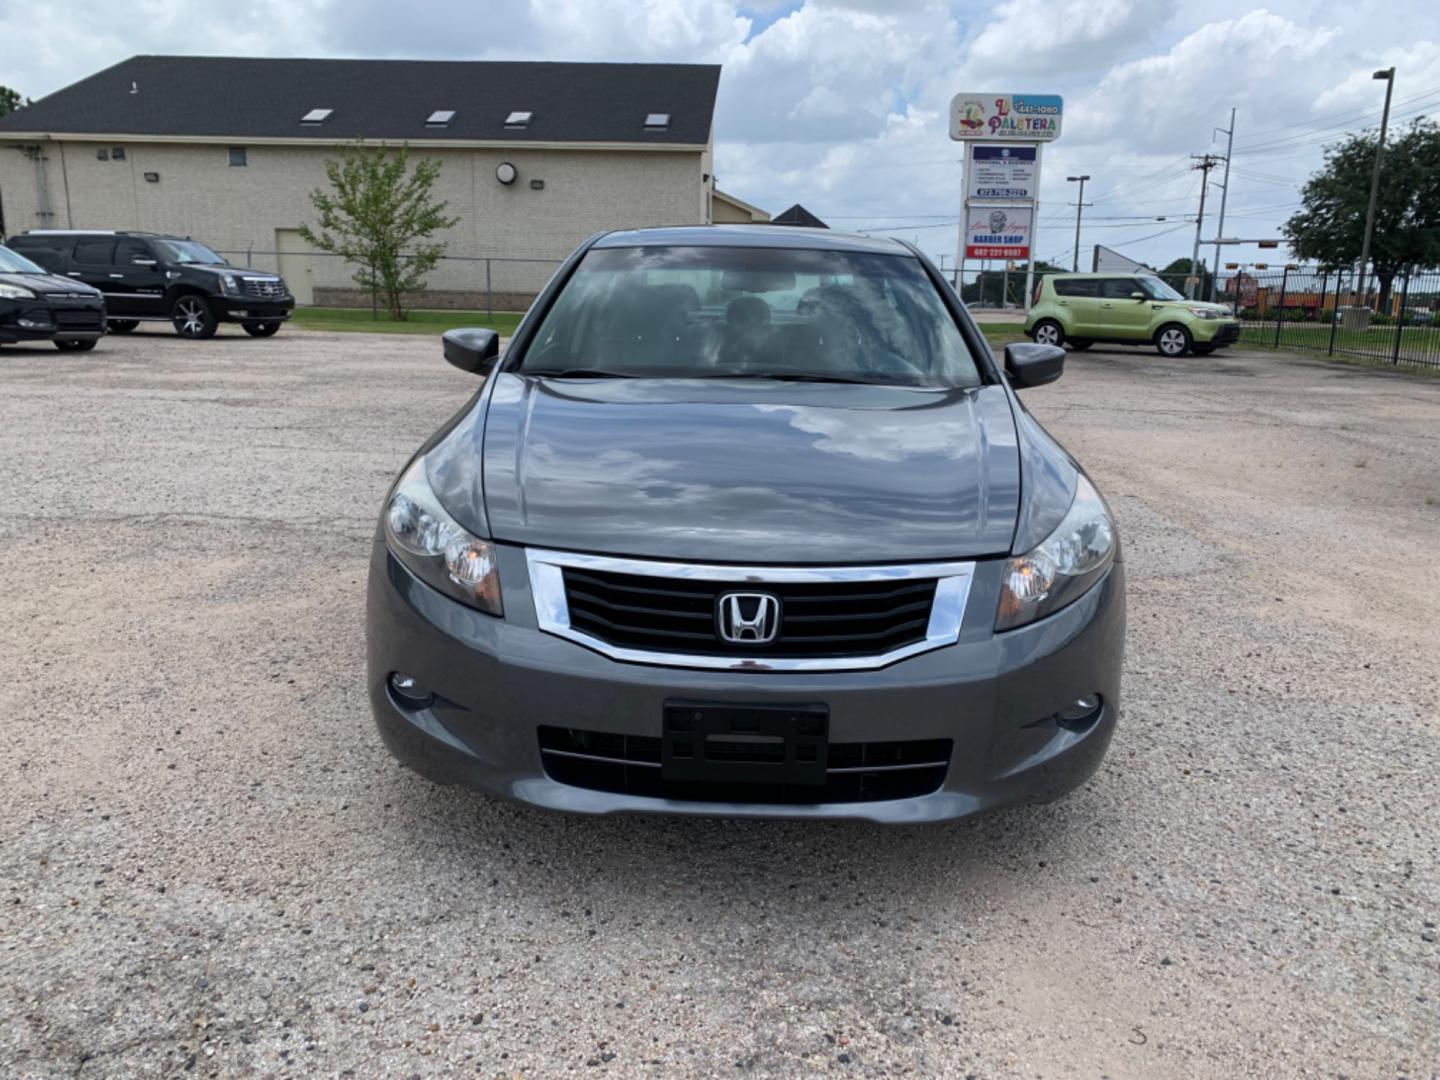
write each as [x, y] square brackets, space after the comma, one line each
[152, 177]
[505, 173]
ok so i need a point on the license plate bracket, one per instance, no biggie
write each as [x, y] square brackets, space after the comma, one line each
[723, 743]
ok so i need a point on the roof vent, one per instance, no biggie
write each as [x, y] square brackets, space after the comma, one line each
[657, 121]
[440, 118]
[518, 119]
[316, 116]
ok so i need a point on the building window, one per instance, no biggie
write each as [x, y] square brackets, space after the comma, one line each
[117, 153]
[238, 156]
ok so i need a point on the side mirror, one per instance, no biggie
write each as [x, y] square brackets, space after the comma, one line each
[1029, 364]
[1137, 296]
[474, 351]
[141, 260]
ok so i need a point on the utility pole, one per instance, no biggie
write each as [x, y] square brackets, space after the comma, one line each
[1079, 206]
[1205, 162]
[1389, 76]
[1224, 189]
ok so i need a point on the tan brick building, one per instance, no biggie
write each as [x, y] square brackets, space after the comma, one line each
[535, 157]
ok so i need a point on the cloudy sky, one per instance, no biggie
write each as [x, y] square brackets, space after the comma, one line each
[842, 104]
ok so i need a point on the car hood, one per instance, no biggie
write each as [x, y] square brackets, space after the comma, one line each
[1186, 305]
[228, 268]
[749, 471]
[50, 285]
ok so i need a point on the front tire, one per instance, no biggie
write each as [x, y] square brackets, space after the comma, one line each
[261, 329]
[122, 326]
[1173, 341]
[76, 346]
[1048, 332]
[193, 318]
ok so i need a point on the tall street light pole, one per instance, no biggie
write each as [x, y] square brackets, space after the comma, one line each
[1389, 76]
[1079, 206]
[1224, 194]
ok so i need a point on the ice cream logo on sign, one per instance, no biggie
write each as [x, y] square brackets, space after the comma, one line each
[972, 115]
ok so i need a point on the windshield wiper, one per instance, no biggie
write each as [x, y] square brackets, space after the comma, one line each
[576, 373]
[801, 376]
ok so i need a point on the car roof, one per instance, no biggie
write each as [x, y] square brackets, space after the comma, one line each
[131, 233]
[1103, 274]
[756, 236]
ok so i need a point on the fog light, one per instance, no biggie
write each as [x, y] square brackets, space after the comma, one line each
[1081, 712]
[409, 691]
[35, 324]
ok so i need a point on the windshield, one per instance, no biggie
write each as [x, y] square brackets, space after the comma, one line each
[1158, 290]
[12, 262]
[743, 312]
[188, 251]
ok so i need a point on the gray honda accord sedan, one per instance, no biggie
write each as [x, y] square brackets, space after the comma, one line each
[747, 521]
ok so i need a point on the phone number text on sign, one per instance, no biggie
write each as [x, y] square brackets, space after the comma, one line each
[998, 234]
[1002, 172]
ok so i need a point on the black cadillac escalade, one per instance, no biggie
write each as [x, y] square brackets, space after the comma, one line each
[38, 306]
[149, 277]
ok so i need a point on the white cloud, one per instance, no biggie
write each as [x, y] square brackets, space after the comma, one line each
[841, 104]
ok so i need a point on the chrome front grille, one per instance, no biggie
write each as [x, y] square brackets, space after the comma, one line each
[820, 618]
[671, 614]
[265, 288]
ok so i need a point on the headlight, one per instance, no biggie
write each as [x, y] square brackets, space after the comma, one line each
[1205, 313]
[15, 292]
[435, 548]
[229, 283]
[1063, 566]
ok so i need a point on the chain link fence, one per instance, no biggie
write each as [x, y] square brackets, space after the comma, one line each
[488, 283]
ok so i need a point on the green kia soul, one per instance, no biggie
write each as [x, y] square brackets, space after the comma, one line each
[1126, 309]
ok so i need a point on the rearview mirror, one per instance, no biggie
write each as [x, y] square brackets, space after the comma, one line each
[1029, 364]
[472, 350]
[1137, 296]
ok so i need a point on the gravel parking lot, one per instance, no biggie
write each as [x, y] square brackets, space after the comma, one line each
[209, 865]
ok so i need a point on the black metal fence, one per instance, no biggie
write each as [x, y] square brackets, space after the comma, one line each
[1393, 320]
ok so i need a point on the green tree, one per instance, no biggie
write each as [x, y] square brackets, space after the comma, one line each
[1178, 271]
[1330, 227]
[380, 215]
[10, 100]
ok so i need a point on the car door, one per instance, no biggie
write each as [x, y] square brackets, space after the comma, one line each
[1121, 315]
[138, 277]
[1078, 300]
[93, 261]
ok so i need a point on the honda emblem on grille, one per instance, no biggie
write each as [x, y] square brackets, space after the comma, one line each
[748, 618]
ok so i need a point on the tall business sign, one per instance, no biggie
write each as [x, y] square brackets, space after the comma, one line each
[1004, 135]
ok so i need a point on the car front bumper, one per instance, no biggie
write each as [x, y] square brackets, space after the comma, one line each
[497, 681]
[39, 320]
[1215, 331]
[241, 309]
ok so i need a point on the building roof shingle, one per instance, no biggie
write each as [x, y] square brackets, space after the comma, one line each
[243, 98]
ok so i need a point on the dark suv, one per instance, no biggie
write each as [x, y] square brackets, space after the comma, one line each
[149, 277]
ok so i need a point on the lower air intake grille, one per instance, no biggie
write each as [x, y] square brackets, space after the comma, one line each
[856, 772]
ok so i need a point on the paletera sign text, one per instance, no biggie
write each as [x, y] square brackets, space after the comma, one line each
[1022, 117]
